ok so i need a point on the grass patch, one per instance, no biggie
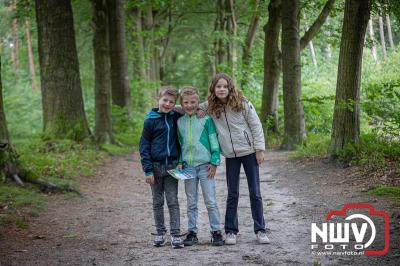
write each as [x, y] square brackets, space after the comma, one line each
[315, 146]
[390, 192]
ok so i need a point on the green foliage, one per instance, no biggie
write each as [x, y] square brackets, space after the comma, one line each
[374, 152]
[316, 146]
[128, 130]
[384, 191]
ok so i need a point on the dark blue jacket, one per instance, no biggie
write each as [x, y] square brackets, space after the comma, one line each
[159, 141]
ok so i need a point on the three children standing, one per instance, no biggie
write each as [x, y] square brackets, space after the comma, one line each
[240, 135]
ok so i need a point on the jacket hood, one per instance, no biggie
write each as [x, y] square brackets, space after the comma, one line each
[154, 114]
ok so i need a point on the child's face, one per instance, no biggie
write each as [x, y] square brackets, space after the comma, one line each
[166, 103]
[190, 103]
[221, 89]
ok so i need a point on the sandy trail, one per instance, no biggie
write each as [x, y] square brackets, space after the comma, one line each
[112, 223]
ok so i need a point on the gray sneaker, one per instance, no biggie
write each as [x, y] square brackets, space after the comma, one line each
[230, 239]
[262, 237]
[176, 242]
[159, 240]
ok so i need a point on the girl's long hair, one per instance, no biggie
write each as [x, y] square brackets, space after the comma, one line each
[235, 96]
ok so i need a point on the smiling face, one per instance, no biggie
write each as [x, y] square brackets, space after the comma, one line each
[190, 103]
[166, 103]
[221, 90]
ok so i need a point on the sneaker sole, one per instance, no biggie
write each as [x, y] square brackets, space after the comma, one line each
[158, 245]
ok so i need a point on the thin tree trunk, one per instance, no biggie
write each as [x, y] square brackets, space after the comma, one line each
[248, 45]
[103, 124]
[30, 54]
[382, 36]
[231, 27]
[272, 68]
[313, 56]
[15, 44]
[220, 29]
[372, 36]
[389, 30]
[121, 94]
[291, 70]
[346, 117]
[139, 68]
[63, 111]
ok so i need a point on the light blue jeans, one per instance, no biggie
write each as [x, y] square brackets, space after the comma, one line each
[208, 188]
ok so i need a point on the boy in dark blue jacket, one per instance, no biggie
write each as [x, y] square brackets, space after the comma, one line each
[159, 152]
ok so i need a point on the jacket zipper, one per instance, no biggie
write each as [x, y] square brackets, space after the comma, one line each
[247, 137]
[168, 151]
[229, 129]
[190, 142]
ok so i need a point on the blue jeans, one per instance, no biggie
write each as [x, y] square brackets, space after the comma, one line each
[208, 188]
[251, 169]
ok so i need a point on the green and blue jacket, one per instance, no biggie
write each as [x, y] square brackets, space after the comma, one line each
[198, 140]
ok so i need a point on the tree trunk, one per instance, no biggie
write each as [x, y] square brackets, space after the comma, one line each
[8, 155]
[389, 30]
[121, 95]
[231, 28]
[346, 117]
[272, 68]
[15, 44]
[382, 36]
[103, 125]
[139, 68]
[372, 36]
[220, 29]
[30, 54]
[291, 69]
[271, 81]
[63, 111]
[248, 45]
[313, 56]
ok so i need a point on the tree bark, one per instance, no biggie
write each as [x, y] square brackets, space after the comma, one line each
[372, 37]
[272, 68]
[63, 111]
[121, 95]
[382, 36]
[313, 56]
[30, 54]
[389, 30]
[220, 29]
[103, 124]
[291, 69]
[248, 45]
[346, 117]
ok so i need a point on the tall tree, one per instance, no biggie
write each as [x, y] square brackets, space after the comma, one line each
[63, 110]
[15, 43]
[373, 42]
[272, 67]
[121, 94]
[231, 29]
[382, 36]
[271, 81]
[346, 117]
[248, 44]
[103, 125]
[291, 69]
[389, 30]
[30, 53]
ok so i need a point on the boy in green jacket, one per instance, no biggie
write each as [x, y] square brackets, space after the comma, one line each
[200, 157]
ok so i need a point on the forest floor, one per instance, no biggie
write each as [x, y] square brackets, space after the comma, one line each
[113, 221]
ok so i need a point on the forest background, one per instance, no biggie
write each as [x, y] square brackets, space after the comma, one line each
[78, 78]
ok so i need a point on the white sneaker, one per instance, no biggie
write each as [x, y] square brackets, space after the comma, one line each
[262, 237]
[230, 239]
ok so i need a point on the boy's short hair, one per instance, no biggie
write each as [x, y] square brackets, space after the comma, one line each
[168, 90]
[187, 91]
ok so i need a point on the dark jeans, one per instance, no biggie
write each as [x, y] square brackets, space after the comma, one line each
[168, 186]
[251, 169]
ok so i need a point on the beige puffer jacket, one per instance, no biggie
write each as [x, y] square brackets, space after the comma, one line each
[239, 133]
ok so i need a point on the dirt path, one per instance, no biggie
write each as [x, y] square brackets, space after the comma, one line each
[111, 225]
